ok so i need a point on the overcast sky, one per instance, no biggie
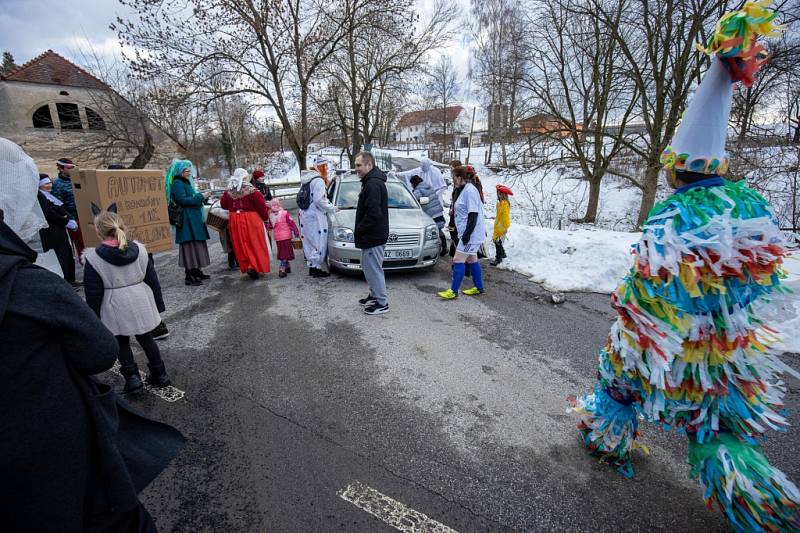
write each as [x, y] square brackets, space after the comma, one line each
[71, 28]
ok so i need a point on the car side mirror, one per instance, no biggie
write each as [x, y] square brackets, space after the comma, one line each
[424, 200]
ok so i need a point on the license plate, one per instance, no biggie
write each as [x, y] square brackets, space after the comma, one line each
[397, 254]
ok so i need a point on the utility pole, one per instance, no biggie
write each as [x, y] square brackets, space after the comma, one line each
[471, 130]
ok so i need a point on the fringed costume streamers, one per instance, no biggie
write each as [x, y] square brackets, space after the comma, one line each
[691, 348]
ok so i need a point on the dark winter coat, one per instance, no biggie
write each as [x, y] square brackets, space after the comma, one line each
[193, 228]
[372, 211]
[57, 218]
[263, 189]
[93, 284]
[62, 189]
[73, 454]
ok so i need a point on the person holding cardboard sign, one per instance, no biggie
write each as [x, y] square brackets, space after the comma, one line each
[191, 234]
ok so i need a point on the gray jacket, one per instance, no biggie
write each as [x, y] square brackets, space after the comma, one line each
[434, 207]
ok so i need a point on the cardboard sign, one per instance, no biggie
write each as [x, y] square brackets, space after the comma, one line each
[141, 202]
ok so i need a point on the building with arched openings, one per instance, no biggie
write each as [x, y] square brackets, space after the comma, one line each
[53, 108]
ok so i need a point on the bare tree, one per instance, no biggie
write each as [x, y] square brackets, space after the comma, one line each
[581, 85]
[380, 50]
[657, 39]
[443, 88]
[270, 49]
[117, 117]
[499, 60]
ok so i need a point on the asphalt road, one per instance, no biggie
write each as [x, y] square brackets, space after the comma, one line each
[456, 409]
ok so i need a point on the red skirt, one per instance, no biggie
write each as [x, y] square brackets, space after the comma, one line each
[285, 250]
[249, 240]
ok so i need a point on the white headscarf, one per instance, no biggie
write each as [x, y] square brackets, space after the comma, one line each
[319, 161]
[235, 182]
[19, 184]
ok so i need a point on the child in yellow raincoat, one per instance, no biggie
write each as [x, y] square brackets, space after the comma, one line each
[502, 221]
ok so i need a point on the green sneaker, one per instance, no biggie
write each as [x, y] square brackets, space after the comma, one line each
[447, 295]
[474, 291]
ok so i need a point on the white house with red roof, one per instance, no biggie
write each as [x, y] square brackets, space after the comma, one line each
[427, 126]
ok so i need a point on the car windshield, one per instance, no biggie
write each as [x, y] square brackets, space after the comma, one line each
[399, 196]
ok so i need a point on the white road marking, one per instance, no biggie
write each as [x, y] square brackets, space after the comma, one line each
[391, 511]
[168, 393]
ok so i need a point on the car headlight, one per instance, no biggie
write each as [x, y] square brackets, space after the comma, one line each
[342, 234]
[431, 233]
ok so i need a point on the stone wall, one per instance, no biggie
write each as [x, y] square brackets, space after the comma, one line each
[18, 102]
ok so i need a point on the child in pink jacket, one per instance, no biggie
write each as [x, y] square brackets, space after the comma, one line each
[283, 227]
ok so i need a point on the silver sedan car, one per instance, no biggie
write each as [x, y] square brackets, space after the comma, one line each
[413, 236]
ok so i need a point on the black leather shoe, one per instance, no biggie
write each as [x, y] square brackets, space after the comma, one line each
[158, 377]
[252, 273]
[160, 332]
[194, 282]
[133, 384]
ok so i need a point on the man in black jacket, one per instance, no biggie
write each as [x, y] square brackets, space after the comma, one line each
[372, 231]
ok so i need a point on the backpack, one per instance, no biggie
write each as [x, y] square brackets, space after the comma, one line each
[304, 195]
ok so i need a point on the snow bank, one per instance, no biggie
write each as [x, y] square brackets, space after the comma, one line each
[790, 327]
[579, 260]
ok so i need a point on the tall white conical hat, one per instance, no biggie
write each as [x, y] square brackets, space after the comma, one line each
[699, 143]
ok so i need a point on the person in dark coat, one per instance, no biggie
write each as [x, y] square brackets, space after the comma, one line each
[372, 231]
[258, 183]
[193, 234]
[55, 237]
[73, 455]
[62, 189]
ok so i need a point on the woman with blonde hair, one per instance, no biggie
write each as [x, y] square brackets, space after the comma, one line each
[122, 289]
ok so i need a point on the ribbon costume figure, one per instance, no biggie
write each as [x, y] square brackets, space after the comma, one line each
[690, 349]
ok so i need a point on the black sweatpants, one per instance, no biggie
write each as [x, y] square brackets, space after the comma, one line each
[127, 364]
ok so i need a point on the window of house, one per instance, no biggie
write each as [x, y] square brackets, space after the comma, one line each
[42, 118]
[96, 122]
[69, 116]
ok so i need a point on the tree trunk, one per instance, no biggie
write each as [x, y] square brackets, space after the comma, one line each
[146, 151]
[594, 201]
[796, 138]
[648, 194]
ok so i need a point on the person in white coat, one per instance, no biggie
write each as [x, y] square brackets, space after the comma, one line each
[314, 220]
[430, 175]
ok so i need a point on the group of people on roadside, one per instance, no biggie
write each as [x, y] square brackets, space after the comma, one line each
[77, 455]
[467, 219]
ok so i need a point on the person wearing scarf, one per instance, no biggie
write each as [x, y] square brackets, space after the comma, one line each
[248, 212]
[192, 235]
[55, 237]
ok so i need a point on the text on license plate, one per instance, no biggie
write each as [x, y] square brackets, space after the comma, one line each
[397, 254]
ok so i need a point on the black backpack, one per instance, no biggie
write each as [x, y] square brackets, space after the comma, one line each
[304, 195]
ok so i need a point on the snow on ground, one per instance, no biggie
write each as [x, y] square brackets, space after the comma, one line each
[789, 328]
[575, 260]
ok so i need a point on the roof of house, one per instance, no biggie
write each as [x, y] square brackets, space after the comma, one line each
[53, 69]
[415, 118]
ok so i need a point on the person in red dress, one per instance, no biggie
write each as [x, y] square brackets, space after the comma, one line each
[248, 212]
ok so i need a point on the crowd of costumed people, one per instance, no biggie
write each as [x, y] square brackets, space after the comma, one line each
[691, 349]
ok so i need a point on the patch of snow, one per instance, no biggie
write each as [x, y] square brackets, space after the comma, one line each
[788, 324]
[575, 260]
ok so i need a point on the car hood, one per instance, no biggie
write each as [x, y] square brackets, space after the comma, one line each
[398, 219]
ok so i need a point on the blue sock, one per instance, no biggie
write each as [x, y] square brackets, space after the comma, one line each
[458, 276]
[477, 275]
